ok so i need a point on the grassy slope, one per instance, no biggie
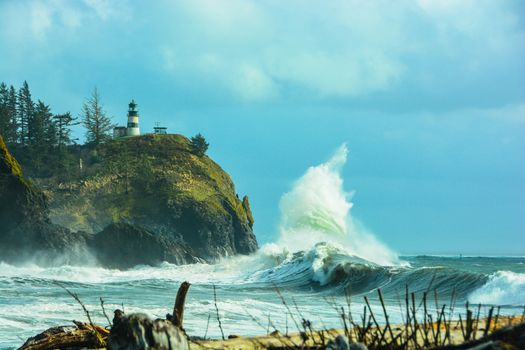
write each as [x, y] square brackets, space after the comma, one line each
[134, 178]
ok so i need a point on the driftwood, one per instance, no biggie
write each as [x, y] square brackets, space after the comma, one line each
[139, 332]
[178, 309]
[134, 331]
[79, 336]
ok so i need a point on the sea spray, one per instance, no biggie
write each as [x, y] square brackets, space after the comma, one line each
[502, 288]
[317, 209]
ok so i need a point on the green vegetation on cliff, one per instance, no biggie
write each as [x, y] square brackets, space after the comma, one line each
[159, 183]
[18, 198]
[25, 230]
[131, 176]
[151, 191]
[8, 164]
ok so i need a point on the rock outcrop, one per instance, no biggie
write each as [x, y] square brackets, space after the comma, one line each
[123, 246]
[25, 229]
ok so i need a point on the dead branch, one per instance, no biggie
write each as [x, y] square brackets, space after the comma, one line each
[217, 310]
[178, 308]
[104, 312]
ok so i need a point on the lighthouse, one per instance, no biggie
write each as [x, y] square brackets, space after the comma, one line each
[133, 120]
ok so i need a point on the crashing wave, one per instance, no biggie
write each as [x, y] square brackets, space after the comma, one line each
[317, 209]
[502, 288]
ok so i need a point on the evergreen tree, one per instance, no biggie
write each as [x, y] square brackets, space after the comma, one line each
[11, 107]
[42, 140]
[25, 112]
[199, 145]
[63, 123]
[98, 125]
[41, 130]
[8, 113]
[4, 115]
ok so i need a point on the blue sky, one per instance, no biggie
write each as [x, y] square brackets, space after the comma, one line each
[429, 96]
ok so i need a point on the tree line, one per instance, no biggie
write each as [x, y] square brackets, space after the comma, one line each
[25, 122]
[42, 138]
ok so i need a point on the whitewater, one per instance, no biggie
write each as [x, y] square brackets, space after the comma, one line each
[322, 255]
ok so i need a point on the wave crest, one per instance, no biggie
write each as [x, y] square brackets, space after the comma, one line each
[317, 209]
[502, 288]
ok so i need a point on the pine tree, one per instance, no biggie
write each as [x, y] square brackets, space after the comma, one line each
[8, 113]
[98, 125]
[63, 123]
[4, 115]
[40, 128]
[12, 136]
[42, 140]
[199, 145]
[64, 161]
[25, 112]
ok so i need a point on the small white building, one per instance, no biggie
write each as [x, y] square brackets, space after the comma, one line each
[119, 131]
[160, 130]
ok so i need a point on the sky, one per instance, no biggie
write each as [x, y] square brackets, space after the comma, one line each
[428, 95]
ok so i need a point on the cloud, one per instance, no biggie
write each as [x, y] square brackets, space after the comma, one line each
[53, 16]
[253, 84]
[41, 20]
[444, 54]
[344, 49]
[105, 9]
[260, 49]
[248, 82]
[510, 113]
[340, 75]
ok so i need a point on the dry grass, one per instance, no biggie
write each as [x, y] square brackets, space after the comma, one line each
[421, 329]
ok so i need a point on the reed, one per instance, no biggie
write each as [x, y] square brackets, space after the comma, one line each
[422, 327]
[217, 311]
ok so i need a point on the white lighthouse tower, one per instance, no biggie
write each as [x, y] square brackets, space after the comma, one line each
[133, 120]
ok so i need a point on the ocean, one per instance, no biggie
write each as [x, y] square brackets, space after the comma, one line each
[322, 257]
[32, 298]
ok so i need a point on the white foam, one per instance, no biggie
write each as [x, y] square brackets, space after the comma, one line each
[236, 269]
[502, 288]
[317, 209]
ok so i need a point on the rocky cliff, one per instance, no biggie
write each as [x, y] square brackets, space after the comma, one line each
[156, 183]
[26, 232]
[139, 200]
[122, 245]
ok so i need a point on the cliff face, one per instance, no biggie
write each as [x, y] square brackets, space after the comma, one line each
[20, 201]
[123, 245]
[157, 184]
[25, 230]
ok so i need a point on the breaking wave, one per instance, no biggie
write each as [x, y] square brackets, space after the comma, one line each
[502, 288]
[317, 209]
[325, 268]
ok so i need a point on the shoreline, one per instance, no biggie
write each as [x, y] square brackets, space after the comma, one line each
[507, 330]
[319, 338]
[419, 330]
